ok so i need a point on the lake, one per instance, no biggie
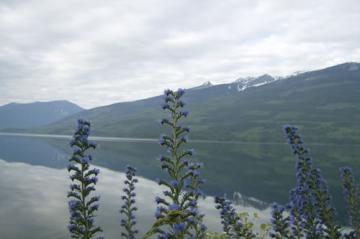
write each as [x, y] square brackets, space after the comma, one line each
[34, 180]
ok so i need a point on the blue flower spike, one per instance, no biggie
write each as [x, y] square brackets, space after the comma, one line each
[233, 225]
[82, 206]
[177, 211]
[128, 209]
[352, 197]
[310, 207]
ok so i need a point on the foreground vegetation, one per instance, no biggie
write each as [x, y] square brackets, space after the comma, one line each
[309, 213]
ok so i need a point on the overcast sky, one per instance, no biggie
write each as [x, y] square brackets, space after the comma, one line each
[94, 52]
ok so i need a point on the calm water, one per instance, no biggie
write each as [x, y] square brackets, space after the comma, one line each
[34, 182]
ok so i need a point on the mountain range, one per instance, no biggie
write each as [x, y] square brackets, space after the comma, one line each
[324, 103]
[37, 114]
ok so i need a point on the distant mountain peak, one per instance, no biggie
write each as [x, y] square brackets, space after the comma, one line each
[266, 77]
[41, 102]
[35, 114]
[204, 85]
[207, 84]
[242, 84]
[244, 79]
[353, 66]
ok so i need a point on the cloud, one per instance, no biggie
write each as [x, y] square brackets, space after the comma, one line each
[100, 52]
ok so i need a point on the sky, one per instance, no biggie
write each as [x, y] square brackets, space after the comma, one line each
[96, 53]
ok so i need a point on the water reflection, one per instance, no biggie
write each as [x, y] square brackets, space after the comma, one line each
[33, 151]
[264, 172]
[33, 202]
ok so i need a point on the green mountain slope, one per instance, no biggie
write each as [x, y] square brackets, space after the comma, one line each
[325, 104]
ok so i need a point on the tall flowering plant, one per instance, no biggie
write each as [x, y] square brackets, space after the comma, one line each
[311, 212]
[128, 208]
[82, 206]
[233, 225]
[352, 197]
[177, 214]
[302, 210]
[280, 222]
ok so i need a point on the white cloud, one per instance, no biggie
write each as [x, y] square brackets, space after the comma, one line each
[100, 52]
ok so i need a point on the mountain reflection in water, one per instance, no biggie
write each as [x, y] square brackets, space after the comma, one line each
[33, 202]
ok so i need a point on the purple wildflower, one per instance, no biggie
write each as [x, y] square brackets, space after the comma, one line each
[82, 217]
[183, 186]
[128, 208]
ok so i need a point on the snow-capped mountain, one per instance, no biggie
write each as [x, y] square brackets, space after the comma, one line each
[242, 84]
[205, 85]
